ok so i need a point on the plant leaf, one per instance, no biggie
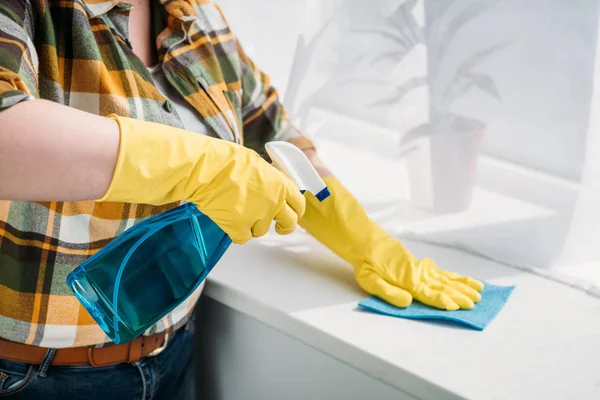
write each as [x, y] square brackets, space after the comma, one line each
[302, 57]
[401, 9]
[477, 57]
[457, 88]
[405, 22]
[486, 84]
[400, 26]
[409, 4]
[396, 55]
[448, 35]
[367, 81]
[435, 27]
[410, 84]
[401, 91]
[380, 32]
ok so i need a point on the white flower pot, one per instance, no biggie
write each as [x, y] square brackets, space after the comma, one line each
[441, 162]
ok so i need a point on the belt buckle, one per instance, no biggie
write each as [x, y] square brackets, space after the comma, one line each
[156, 352]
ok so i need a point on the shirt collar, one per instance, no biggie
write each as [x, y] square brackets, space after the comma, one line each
[181, 9]
[98, 7]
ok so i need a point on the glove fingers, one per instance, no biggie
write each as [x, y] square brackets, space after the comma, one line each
[286, 221]
[466, 290]
[261, 227]
[461, 287]
[459, 298]
[435, 298]
[473, 283]
[377, 286]
[296, 200]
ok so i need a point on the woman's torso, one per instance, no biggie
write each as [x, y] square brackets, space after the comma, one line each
[85, 61]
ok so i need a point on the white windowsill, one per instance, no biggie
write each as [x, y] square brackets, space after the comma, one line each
[544, 344]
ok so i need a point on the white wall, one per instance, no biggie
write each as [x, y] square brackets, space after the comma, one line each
[268, 30]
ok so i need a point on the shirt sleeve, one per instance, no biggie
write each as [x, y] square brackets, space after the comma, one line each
[18, 57]
[263, 115]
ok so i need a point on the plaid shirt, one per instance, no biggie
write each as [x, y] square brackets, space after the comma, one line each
[77, 53]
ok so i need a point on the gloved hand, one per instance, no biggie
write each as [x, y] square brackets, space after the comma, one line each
[383, 267]
[233, 185]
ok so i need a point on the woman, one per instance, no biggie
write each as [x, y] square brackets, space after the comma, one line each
[111, 113]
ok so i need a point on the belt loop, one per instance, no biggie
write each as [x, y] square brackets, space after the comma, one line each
[135, 349]
[43, 370]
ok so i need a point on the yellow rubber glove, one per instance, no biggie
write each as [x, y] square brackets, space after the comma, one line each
[233, 185]
[383, 267]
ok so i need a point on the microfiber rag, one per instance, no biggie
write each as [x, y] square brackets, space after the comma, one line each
[492, 300]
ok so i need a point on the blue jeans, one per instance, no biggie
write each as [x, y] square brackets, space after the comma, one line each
[168, 375]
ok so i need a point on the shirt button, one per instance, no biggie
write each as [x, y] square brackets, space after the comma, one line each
[168, 106]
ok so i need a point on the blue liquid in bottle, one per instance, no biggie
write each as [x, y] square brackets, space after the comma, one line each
[147, 271]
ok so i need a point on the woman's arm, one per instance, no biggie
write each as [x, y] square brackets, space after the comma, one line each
[51, 152]
[316, 162]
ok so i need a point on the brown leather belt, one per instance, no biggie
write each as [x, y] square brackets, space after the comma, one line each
[111, 354]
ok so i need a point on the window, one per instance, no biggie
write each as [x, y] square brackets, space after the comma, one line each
[475, 122]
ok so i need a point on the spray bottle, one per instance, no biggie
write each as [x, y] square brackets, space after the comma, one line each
[151, 268]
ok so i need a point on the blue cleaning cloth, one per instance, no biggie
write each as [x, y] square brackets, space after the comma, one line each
[492, 300]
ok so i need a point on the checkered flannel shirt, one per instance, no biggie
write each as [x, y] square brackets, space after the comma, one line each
[77, 53]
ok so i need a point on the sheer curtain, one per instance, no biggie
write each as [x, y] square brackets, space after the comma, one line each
[466, 123]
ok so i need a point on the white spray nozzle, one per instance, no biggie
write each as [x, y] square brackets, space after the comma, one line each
[290, 160]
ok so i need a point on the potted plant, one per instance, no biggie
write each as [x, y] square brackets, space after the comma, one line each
[440, 148]
[441, 155]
